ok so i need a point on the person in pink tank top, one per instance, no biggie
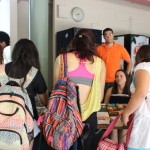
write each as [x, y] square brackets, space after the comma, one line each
[81, 60]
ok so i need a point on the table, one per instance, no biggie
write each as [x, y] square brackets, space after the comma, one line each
[110, 111]
[105, 126]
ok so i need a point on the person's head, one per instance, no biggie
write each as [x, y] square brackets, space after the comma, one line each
[84, 44]
[24, 56]
[121, 79]
[4, 39]
[108, 35]
[143, 54]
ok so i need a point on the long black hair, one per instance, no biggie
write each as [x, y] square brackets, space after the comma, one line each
[24, 56]
[126, 89]
[84, 44]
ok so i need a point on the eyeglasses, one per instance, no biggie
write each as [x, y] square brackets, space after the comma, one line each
[108, 35]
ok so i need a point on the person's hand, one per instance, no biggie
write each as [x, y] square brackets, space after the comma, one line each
[43, 111]
[124, 118]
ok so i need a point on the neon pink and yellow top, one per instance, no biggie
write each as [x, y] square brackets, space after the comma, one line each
[81, 75]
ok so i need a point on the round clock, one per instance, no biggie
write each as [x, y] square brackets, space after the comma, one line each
[77, 14]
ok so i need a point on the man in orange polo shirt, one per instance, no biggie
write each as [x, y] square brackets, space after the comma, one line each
[112, 53]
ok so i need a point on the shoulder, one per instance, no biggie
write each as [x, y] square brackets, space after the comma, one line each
[39, 75]
[8, 67]
[33, 70]
[110, 90]
[71, 55]
[58, 57]
[58, 60]
[119, 46]
[101, 46]
[32, 73]
[99, 61]
[143, 65]
[100, 50]
[39, 81]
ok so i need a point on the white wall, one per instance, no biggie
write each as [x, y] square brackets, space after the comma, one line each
[23, 18]
[124, 17]
[19, 20]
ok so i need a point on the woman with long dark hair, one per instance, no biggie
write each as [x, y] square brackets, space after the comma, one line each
[121, 85]
[24, 57]
[88, 72]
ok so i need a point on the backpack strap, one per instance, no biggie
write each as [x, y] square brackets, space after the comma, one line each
[4, 78]
[65, 65]
[112, 125]
[30, 76]
[61, 59]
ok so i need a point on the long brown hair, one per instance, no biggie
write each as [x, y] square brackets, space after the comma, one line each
[84, 44]
[143, 54]
[24, 56]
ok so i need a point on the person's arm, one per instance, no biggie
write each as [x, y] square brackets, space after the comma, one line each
[57, 70]
[40, 88]
[102, 79]
[126, 57]
[142, 85]
[44, 99]
[129, 66]
[107, 96]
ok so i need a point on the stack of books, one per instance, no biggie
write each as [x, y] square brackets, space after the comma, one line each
[103, 115]
[114, 110]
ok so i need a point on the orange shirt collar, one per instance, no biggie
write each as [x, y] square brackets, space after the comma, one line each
[114, 44]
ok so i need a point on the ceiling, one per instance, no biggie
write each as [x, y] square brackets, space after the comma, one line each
[141, 2]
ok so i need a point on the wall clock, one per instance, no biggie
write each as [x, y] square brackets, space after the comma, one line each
[77, 14]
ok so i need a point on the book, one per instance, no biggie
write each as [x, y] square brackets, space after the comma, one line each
[103, 115]
[116, 109]
[113, 110]
[121, 107]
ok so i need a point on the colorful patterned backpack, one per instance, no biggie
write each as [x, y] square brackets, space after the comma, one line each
[16, 115]
[62, 123]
